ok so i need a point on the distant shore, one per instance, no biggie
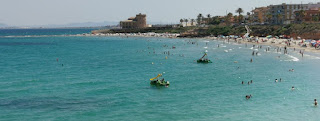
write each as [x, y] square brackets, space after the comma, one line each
[294, 44]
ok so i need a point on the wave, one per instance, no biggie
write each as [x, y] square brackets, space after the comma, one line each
[292, 58]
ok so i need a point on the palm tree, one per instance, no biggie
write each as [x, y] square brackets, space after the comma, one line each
[249, 17]
[239, 11]
[192, 22]
[186, 20]
[209, 18]
[181, 21]
[199, 18]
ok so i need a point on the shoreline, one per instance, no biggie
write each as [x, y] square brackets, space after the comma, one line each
[294, 44]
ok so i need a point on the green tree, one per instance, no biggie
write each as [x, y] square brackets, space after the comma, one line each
[239, 11]
[240, 19]
[208, 18]
[235, 18]
[249, 17]
[279, 18]
[199, 19]
[228, 18]
[186, 20]
[269, 17]
[315, 18]
[300, 15]
[192, 22]
[181, 21]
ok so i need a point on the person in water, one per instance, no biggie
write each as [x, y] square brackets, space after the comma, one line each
[251, 81]
[315, 102]
[248, 96]
[242, 82]
[276, 80]
[292, 88]
[251, 60]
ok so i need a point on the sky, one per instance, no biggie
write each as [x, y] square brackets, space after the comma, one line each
[47, 12]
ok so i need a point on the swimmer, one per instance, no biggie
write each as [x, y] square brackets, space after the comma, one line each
[315, 102]
[248, 96]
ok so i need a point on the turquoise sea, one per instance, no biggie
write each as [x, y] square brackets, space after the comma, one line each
[107, 78]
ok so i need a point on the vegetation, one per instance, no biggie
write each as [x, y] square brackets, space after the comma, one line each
[233, 25]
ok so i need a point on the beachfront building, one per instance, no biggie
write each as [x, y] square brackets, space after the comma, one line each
[259, 15]
[284, 13]
[307, 16]
[314, 6]
[139, 21]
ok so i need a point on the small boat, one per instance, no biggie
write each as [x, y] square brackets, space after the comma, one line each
[204, 60]
[159, 82]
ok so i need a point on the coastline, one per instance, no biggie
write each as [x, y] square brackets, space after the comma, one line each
[281, 43]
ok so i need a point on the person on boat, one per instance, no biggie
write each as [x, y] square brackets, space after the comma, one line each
[162, 80]
[315, 102]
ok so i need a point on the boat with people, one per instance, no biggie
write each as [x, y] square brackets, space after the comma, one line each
[159, 82]
[203, 59]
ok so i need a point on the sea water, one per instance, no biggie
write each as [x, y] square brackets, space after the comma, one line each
[107, 78]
